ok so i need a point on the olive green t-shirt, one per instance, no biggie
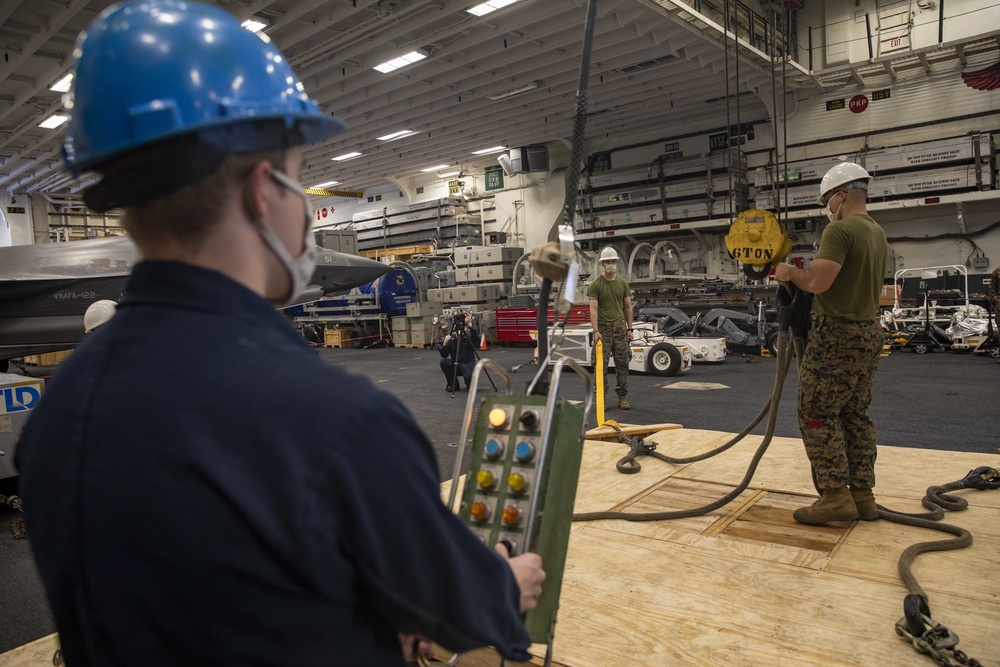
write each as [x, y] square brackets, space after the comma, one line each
[858, 244]
[610, 295]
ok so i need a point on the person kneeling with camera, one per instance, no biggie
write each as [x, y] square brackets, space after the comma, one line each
[459, 349]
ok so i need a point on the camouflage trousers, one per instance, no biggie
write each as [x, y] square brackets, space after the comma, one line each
[614, 335]
[835, 388]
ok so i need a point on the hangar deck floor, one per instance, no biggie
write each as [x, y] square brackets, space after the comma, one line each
[744, 585]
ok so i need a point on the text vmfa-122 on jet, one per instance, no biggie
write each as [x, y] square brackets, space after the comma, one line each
[72, 296]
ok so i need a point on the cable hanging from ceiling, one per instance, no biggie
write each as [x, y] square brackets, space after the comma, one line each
[729, 121]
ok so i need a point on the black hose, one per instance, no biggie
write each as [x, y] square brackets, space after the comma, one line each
[795, 306]
[771, 408]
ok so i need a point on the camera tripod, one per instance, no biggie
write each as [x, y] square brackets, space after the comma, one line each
[459, 338]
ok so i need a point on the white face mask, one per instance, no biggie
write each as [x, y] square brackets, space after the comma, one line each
[828, 212]
[300, 269]
[611, 267]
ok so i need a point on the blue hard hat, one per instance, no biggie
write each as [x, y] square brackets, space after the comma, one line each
[149, 71]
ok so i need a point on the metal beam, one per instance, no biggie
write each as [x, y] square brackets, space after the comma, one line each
[58, 20]
[923, 61]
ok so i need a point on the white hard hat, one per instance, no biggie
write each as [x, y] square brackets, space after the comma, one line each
[98, 313]
[842, 174]
[608, 254]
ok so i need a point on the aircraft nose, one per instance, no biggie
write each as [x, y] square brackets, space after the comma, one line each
[336, 271]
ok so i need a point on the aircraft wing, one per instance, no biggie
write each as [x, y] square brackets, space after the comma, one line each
[45, 289]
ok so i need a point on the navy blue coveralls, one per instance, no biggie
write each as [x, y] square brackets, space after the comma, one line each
[201, 489]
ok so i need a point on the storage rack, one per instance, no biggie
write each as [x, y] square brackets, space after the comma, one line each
[443, 222]
[945, 166]
[664, 196]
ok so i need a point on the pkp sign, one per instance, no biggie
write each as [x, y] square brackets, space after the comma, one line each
[858, 103]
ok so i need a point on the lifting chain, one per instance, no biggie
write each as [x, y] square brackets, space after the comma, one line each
[936, 641]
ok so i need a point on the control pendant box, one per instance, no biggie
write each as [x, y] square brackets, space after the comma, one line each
[18, 396]
[522, 485]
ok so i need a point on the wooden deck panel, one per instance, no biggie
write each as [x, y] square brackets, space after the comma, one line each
[754, 587]
[643, 601]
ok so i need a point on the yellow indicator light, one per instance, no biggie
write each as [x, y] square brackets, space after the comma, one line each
[479, 511]
[498, 417]
[511, 515]
[516, 482]
[485, 478]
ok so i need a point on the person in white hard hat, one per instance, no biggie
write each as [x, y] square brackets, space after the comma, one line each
[835, 377]
[98, 313]
[611, 318]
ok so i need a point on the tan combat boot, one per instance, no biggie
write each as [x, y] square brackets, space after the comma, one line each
[833, 505]
[864, 500]
[623, 403]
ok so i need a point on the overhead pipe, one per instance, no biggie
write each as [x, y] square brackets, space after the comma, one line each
[671, 249]
[632, 257]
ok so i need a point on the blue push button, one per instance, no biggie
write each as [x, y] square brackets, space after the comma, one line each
[524, 451]
[493, 449]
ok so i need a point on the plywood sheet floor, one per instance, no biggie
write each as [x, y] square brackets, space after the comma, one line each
[745, 585]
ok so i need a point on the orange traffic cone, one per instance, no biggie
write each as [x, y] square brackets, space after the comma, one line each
[482, 342]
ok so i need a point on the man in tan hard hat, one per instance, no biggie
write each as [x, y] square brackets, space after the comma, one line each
[611, 318]
[835, 377]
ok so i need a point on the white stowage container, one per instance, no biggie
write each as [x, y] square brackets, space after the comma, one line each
[18, 396]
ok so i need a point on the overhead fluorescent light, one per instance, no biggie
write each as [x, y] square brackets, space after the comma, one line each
[345, 156]
[516, 90]
[436, 168]
[63, 84]
[53, 121]
[396, 135]
[495, 149]
[402, 61]
[328, 183]
[254, 24]
[491, 6]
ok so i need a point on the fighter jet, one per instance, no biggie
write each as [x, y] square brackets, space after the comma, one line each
[45, 289]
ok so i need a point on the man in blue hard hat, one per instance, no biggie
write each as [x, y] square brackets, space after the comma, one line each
[189, 500]
[838, 368]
